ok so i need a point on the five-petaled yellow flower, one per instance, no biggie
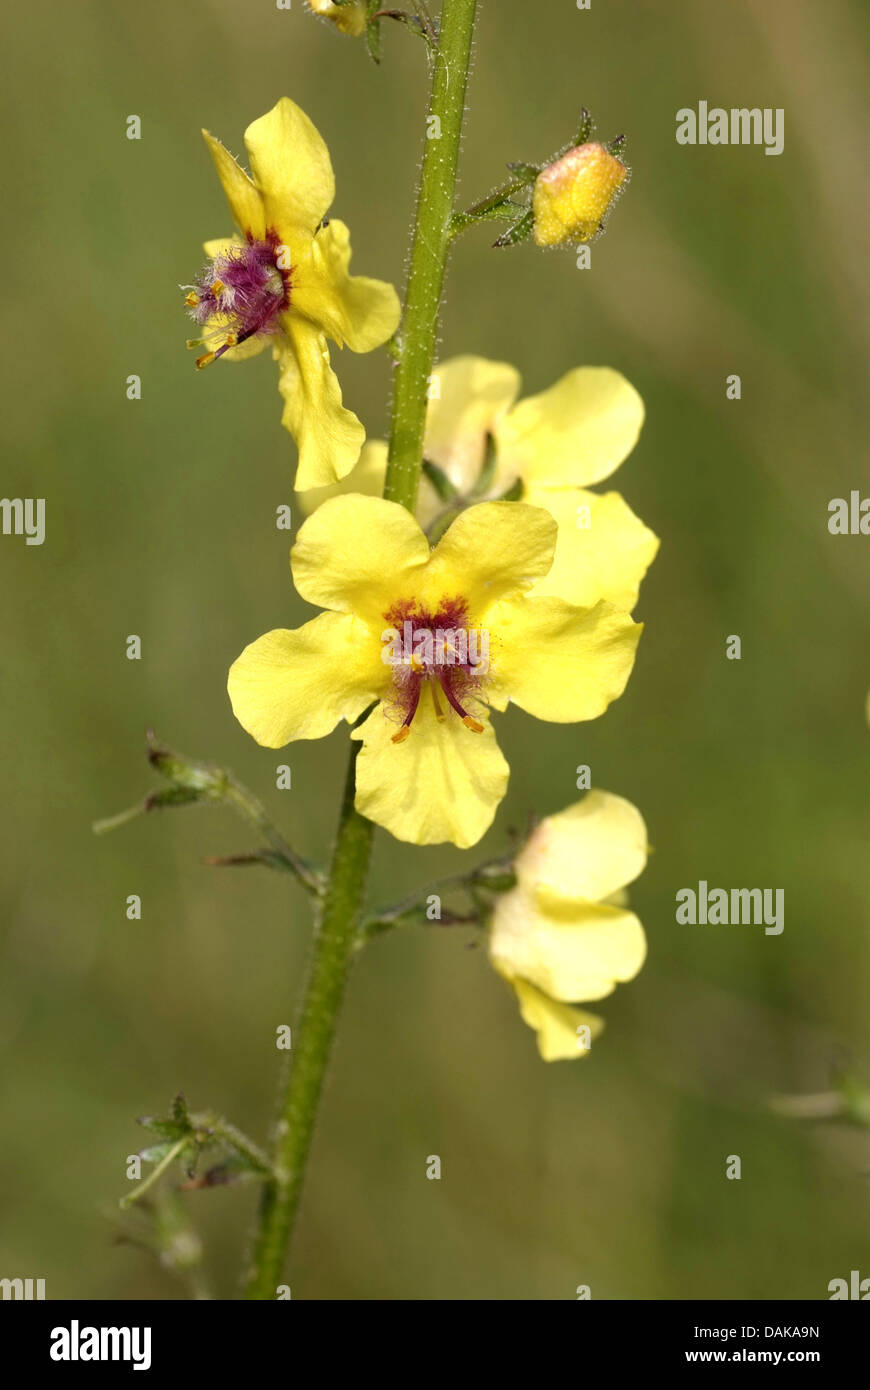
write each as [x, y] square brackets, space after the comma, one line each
[435, 637]
[556, 444]
[284, 283]
[563, 935]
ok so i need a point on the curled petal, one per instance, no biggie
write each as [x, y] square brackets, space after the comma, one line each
[557, 1025]
[328, 435]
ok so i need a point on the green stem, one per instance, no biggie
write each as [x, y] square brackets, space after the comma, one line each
[334, 944]
[337, 933]
[233, 1138]
[429, 250]
[165, 1162]
[253, 810]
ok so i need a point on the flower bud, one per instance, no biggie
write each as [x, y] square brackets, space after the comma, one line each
[573, 195]
[349, 18]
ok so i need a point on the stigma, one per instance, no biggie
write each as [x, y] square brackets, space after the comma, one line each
[240, 294]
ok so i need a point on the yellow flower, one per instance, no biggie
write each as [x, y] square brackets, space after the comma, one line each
[349, 18]
[435, 637]
[573, 194]
[556, 444]
[285, 283]
[563, 935]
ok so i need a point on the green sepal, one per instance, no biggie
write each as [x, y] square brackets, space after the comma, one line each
[156, 1152]
[440, 481]
[527, 172]
[202, 779]
[487, 468]
[171, 796]
[373, 37]
[167, 1129]
[514, 493]
[495, 878]
[519, 232]
[502, 211]
[231, 1169]
[586, 127]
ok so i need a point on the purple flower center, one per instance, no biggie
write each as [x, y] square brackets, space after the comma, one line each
[437, 649]
[239, 295]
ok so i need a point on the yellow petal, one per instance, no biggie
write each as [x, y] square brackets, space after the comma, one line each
[366, 478]
[474, 395]
[350, 19]
[556, 1024]
[581, 954]
[603, 550]
[443, 783]
[299, 684]
[221, 244]
[245, 202]
[328, 435]
[575, 433]
[351, 309]
[588, 851]
[491, 550]
[356, 554]
[291, 167]
[556, 661]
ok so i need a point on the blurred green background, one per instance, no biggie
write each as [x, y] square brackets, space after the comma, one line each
[160, 522]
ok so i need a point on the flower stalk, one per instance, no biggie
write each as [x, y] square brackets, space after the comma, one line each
[334, 942]
[337, 932]
[429, 250]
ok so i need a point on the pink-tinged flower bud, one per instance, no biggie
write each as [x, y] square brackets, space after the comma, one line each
[574, 194]
[349, 18]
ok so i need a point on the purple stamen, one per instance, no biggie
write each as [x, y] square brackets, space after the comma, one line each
[241, 293]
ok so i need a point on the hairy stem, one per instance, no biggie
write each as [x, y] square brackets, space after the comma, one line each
[334, 943]
[337, 932]
[429, 250]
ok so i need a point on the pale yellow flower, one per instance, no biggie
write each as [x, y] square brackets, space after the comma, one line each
[563, 935]
[556, 445]
[284, 283]
[429, 768]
